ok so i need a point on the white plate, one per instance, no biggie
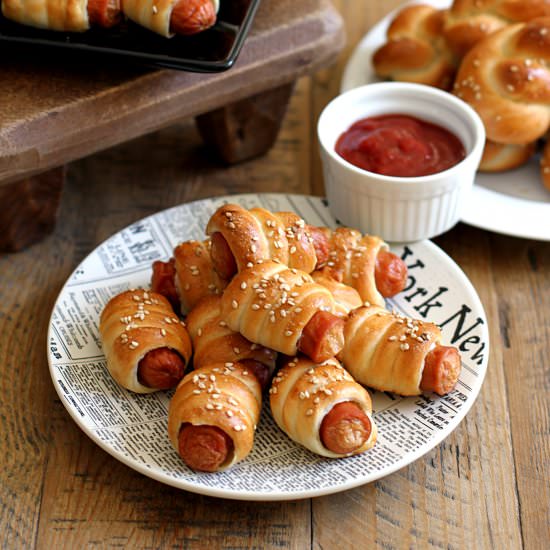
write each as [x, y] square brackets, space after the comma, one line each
[514, 202]
[132, 427]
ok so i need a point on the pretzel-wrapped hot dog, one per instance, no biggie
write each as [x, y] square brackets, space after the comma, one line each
[283, 309]
[146, 346]
[171, 17]
[364, 263]
[321, 407]
[346, 297]
[213, 415]
[390, 352]
[63, 15]
[241, 237]
[214, 342]
[188, 276]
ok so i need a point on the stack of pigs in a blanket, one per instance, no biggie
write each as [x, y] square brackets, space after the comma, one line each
[273, 304]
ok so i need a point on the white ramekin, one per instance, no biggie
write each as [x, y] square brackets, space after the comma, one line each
[395, 208]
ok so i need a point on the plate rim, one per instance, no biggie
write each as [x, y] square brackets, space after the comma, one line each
[234, 494]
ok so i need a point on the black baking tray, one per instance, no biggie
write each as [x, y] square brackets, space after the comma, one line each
[213, 50]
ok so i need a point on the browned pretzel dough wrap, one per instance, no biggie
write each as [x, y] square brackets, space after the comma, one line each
[364, 263]
[188, 276]
[214, 342]
[213, 415]
[308, 403]
[63, 15]
[241, 237]
[389, 352]
[170, 17]
[134, 327]
[283, 309]
[346, 297]
[416, 50]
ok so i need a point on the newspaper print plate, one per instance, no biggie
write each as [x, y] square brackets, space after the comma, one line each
[496, 198]
[132, 427]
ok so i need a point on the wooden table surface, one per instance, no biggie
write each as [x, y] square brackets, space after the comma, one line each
[486, 486]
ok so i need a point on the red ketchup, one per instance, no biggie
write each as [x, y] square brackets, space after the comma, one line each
[399, 145]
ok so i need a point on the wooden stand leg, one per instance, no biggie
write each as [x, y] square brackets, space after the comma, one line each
[247, 128]
[30, 209]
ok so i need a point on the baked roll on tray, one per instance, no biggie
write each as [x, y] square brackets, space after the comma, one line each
[214, 342]
[63, 15]
[389, 352]
[188, 276]
[146, 346]
[171, 17]
[213, 415]
[321, 407]
[283, 309]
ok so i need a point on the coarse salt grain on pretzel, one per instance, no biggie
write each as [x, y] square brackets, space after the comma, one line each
[506, 79]
[467, 22]
[416, 50]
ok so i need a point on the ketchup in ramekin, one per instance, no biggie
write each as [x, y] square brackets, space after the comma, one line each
[400, 145]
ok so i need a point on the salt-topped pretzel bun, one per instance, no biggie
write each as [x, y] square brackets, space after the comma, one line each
[134, 324]
[303, 394]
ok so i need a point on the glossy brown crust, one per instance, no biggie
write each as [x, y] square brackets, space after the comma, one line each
[258, 234]
[57, 15]
[192, 16]
[345, 428]
[204, 448]
[322, 337]
[441, 370]
[303, 393]
[161, 369]
[415, 50]
[134, 323]
[227, 397]
[195, 274]
[506, 79]
[270, 304]
[387, 351]
[163, 281]
[214, 342]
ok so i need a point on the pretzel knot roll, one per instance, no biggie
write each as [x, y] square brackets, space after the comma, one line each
[321, 407]
[416, 50]
[213, 415]
[389, 352]
[506, 79]
[214, 342]
[364, 263]
[241, 237]
[346, 297]
[171, 17]
[146, 346]
[63, 15]
[469, 21]
[498, 157]
[283, 309]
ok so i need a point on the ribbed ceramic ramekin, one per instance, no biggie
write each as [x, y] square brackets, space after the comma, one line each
[399, 209]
